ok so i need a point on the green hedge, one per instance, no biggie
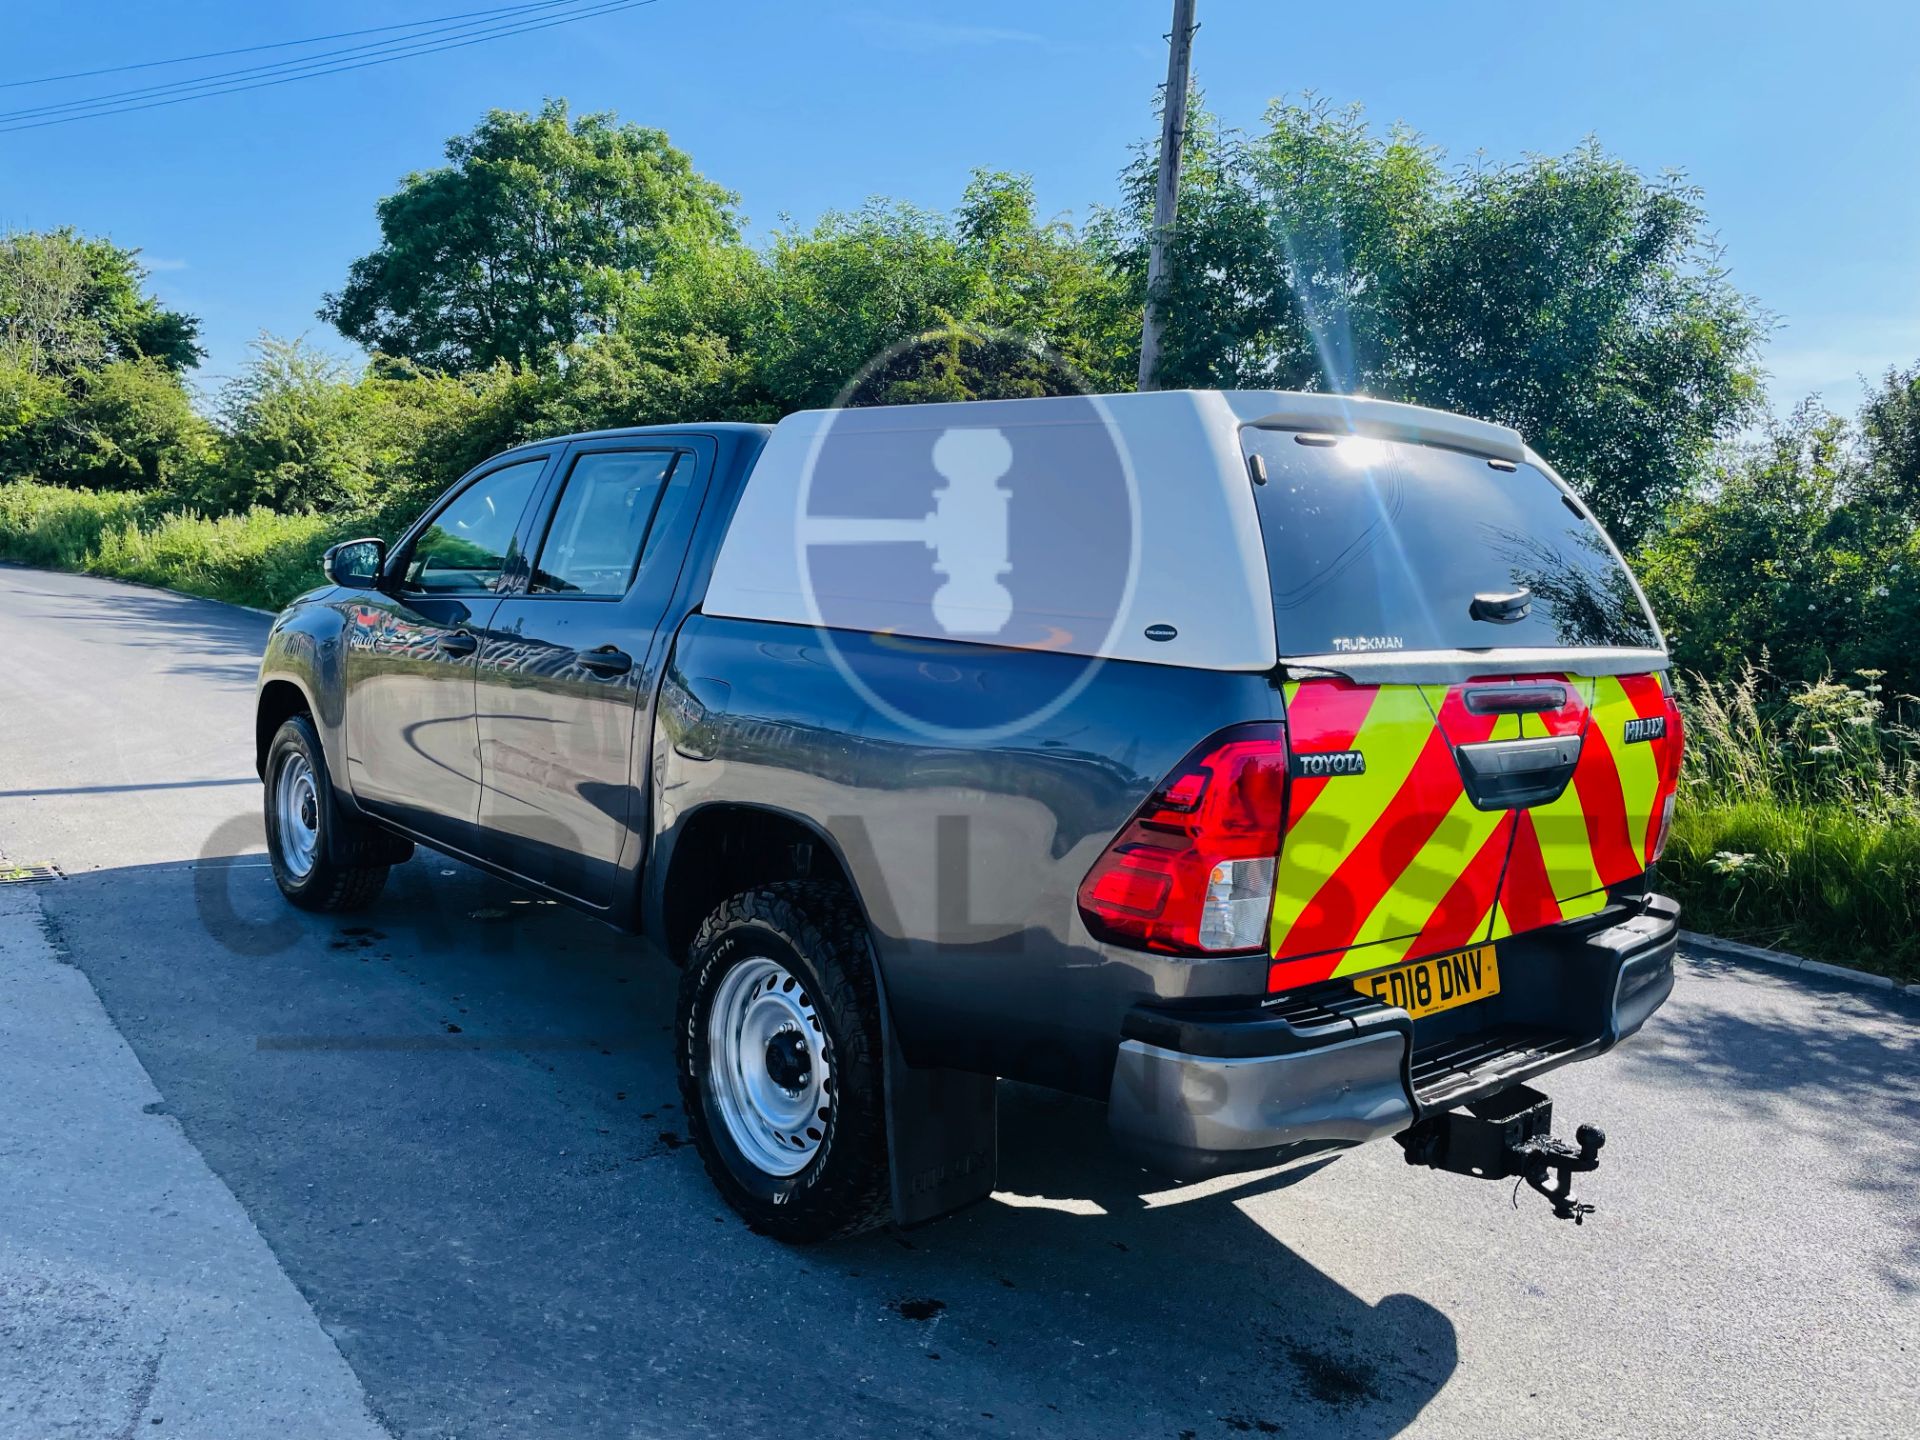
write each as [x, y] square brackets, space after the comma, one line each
[253, 558]
[1798, 824]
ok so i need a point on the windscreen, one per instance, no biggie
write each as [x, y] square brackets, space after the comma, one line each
[1374, 545]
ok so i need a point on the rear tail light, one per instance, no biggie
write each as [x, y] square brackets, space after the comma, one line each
[1192, 873]
[1670, 778]
[1665, 829]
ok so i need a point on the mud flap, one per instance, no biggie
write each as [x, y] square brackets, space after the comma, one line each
[943, 1137]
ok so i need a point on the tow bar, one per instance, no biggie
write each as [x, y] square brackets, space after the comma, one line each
[1507, 1135]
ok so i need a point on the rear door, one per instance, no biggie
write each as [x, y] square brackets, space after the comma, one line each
[565, 679]
[1397, 568]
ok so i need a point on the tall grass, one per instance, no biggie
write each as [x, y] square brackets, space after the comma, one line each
[57, 527]
[1798, 824]
[257, 557]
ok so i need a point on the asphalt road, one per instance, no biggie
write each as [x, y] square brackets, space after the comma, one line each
[421, 1173]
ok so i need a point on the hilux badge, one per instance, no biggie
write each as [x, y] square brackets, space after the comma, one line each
[1333, 762]
[1650, 727]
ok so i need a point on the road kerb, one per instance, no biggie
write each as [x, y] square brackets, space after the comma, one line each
[143, 585]
[1785, 960]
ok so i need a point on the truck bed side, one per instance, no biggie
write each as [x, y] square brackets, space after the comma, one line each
[965, 855]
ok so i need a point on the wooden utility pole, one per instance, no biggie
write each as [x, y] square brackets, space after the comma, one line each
[1166, 197]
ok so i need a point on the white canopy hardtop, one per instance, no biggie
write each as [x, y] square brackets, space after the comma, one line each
[1197, 592]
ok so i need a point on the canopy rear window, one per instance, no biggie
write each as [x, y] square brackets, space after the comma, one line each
[1376, 545]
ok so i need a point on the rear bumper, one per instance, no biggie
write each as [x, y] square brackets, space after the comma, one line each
[1199, 1092]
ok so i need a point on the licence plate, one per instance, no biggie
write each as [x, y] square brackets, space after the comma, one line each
[1426, 987]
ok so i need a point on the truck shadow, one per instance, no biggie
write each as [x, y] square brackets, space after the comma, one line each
[455, 1121]
[1254, 1336]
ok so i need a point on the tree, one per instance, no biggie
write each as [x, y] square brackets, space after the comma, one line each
[132, 426]
[887, 304]
[528, 240]
[1790, 550]
[90, 366]
[1569, 297]
[1048, 281]
[841, 295]
[69, 303]
[1890, 423]
[294, 433]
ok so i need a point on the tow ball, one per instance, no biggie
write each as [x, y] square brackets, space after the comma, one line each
[1506, 1136]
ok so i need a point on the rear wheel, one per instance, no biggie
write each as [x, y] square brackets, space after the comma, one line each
[780, 1061]
[314, 867]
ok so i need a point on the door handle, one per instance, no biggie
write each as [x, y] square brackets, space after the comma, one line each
[1514, 774]
[459, 644]
[607, 660]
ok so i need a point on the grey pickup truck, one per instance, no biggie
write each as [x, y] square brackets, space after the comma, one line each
[1286, 771]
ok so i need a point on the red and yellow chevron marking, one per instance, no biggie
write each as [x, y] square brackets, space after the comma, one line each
[1374, 863]
[1397, 863]
[1601, 830]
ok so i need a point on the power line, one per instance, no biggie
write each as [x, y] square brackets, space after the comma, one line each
[606, 8]
[306, 62]
[274, 45]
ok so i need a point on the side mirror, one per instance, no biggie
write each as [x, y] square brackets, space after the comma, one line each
[355, 563]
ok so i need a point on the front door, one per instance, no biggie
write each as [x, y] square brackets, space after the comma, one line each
[410, 653]
[565, 676]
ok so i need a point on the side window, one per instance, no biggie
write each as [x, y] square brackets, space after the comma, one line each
[466, 548]
[678, 484]
[593, 543]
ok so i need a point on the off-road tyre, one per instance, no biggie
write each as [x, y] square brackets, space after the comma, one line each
[350, 859]
[815, 931]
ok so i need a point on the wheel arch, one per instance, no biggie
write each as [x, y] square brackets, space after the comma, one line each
[725, 847]
[280, 699]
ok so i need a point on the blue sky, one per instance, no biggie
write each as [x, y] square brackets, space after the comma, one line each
[1799, 121]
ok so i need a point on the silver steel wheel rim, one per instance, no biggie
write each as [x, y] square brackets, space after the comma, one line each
[768, 1069]
[296, 800]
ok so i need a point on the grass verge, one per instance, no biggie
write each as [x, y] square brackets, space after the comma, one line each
[254, 558]
[1822, 881]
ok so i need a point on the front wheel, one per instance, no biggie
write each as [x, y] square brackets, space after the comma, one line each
[779, 1055]
[308, 859]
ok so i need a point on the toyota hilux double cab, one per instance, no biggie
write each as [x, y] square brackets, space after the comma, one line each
[1286, 771]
